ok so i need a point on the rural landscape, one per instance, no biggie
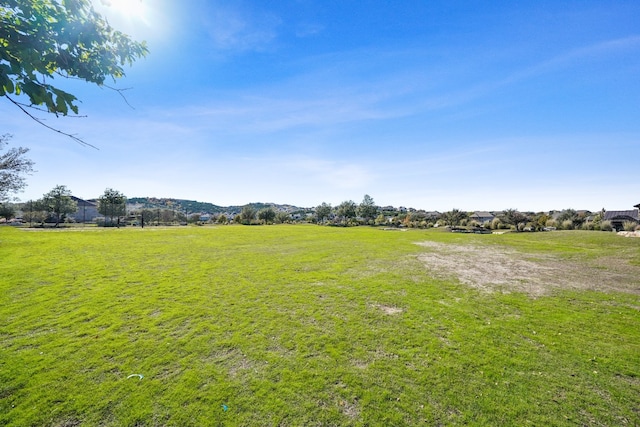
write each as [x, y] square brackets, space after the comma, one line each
[314, 325]
[197, 244]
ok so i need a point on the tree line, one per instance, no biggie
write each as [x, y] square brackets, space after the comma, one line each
[58, 205]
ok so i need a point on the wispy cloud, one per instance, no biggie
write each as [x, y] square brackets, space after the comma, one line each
[308, 29]
[591, 52]
[231, 28]
[331, 93]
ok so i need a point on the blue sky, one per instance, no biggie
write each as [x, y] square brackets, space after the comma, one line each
[474, 105]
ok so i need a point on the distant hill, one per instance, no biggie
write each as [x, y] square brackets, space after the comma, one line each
[193, 206]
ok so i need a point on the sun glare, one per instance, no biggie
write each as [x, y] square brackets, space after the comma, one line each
[131, 9]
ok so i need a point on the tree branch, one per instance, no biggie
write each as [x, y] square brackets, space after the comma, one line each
[119, 91]
[39, 121]
[43, 110]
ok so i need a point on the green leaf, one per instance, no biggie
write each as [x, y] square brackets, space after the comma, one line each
[31, 33]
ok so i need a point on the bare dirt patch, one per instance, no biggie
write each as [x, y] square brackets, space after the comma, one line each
[388, 309]
[503, 269]
[629, 233]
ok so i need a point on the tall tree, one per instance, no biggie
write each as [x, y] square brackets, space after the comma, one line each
[44, 39]
[59, 202]
[367, 209]
[346, 210]
[323, 211]
[112, 204]
[13, 166]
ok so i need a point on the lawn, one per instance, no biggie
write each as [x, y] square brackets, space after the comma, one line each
[309, 325]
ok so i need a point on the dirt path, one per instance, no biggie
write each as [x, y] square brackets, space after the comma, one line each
[503, 269]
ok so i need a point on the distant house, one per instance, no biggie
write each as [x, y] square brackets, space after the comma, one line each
[87, 210]
[618, 218]
[482, 217]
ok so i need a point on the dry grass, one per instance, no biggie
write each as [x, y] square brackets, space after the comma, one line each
[388, 309]
[495, 268]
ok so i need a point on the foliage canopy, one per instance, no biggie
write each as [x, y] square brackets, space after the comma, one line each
[112, 203]
[346, 209]
[454, 217]
[323, 211]
[44, 39]
[367, 209]
[13, 165]
[59, 202]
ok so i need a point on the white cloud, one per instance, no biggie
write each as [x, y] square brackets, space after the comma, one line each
[234, 29]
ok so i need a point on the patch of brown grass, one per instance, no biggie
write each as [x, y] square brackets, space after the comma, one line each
[388, 309]
[503, 269]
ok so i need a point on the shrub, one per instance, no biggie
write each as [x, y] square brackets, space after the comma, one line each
[380, 220]
[496, 224]
[587, 226]
[567, 224]
[606, 226]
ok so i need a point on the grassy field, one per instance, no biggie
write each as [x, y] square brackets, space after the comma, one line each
[309, 325]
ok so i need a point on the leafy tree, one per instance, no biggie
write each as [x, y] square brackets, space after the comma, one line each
[346, 210]
[112, 204]
[598, 218]
[571, 215]
[149, 216]
[222, 219]
[44, 39]
[323, 211]
[7, 211]
[169, 216]
[367, 208]
[247, 214]
[34, 211]
[13, 165]
[540, 220]
[567, 214]
[283, 217]
[59, 202]
[454, 217]
[267, 215]
[513, 217]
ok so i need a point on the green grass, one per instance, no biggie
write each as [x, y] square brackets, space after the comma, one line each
[284, 325]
